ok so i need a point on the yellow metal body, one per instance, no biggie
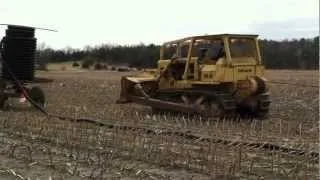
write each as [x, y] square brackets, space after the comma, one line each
[188, 71]
[227, 69]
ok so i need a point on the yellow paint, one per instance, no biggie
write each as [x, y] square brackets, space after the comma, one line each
[226, 69]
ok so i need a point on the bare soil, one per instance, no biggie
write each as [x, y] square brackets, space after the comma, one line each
[35, 146]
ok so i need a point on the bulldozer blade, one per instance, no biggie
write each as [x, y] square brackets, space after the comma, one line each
[125, 90]
[156, 103]
[131, 85]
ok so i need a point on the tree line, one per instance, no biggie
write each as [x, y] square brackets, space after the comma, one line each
[285, 54]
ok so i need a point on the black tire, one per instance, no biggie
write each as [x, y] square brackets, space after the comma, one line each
[37, 96]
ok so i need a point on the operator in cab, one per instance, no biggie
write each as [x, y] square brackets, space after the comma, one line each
[204, 55]
[221, 53]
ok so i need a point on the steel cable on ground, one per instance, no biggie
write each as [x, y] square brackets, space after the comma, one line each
[294, 84]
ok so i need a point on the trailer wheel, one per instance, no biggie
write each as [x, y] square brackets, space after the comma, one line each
[37, 96]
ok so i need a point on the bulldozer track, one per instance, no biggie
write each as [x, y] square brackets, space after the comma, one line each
[263, 105]
[227, 102]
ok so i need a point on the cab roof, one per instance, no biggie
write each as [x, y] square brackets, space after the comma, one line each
[213, 36]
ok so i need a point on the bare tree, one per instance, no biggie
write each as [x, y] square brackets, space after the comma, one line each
[41, 60]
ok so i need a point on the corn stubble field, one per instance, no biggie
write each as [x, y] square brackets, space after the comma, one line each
[35, 146]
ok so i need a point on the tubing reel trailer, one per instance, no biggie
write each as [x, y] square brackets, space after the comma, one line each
[18, 49]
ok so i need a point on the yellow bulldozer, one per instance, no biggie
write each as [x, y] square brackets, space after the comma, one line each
[213, 75]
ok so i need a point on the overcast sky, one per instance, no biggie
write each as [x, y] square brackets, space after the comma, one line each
[80, 22]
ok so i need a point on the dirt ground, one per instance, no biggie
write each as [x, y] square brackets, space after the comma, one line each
[35, 146]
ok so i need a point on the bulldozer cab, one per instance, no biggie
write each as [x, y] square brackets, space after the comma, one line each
[204, 58]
